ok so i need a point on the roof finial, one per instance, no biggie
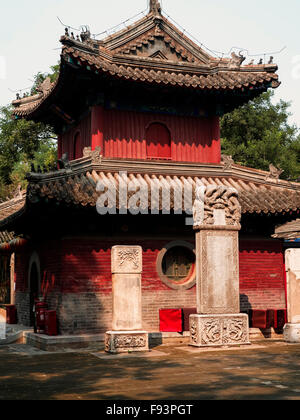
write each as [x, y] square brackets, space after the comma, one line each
[155, 6]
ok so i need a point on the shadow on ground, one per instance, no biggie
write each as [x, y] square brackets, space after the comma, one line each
[271, 372]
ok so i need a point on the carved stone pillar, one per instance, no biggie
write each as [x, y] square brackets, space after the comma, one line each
[126, 334]
[292, 264]
[12, 280]
[2, 325]
[217, 215]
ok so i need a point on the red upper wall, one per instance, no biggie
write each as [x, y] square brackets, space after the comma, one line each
[137, 135]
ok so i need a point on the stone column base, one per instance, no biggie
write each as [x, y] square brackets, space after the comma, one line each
[126, 341]
[291, 333]
[219, 330]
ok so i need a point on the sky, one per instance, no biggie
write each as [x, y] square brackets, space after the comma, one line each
[30, 32]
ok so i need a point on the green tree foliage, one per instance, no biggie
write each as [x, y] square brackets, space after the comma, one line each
[259, 134]
[23, 143]
[40, 77]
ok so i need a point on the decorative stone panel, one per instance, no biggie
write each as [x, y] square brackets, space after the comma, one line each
[126, 341]
[217, 271]
[126, 259]
[219, 330]
[216, 206]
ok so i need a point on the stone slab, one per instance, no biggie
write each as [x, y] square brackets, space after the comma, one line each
[291, 333]
[49, 343]
[2, 327]
[217, 272]
[127, 302]
[150, 354]
[200, 350]
[219, 330]
[126, 341]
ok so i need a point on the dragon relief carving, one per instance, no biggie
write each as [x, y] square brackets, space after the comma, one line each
[216, 205]
[219, 330]
[234, 331]
[211, 332]
[194, 331]
[129, 341]
[125, 342]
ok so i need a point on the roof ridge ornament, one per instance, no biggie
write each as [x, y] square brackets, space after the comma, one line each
[274, 174]
[155, 7]
[236, 60]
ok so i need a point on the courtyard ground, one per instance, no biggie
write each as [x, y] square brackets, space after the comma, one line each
[262, 371]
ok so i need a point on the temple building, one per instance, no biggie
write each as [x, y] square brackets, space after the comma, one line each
[137, 116]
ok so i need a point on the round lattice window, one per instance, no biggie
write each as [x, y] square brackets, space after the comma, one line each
[176, 265]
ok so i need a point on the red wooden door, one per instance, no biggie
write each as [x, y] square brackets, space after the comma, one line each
[158, 140]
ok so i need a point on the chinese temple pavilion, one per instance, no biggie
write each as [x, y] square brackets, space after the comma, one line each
[139, 111]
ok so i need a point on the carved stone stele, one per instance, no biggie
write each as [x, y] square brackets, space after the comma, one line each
[217, 215]
[126, 334]
[126, 341]
[217, 272]
[219, 330]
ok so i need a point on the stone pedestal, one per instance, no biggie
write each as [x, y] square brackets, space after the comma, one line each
[126, 341]
[292, 264]
[217, 216]
[291, 333]
[126, 334]
[219, 330]
[2, 327]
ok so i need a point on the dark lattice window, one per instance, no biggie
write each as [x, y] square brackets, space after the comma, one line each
[178, 263]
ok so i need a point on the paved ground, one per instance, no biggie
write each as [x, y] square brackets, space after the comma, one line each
[262, 371]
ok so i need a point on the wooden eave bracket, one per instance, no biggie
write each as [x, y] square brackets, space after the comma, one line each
[63, 115]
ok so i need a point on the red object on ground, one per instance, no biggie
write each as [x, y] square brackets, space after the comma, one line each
[170, 320]
[11, 314]
[262, 318]
[270, 318]
[50, 323]
[259, 318]
[40, 309]
[280, 318]
[187, 312]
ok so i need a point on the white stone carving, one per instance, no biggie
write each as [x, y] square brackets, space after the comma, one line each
[124, 341]
[2, 327]
[219, 330]
[216, 206]
[126, 259]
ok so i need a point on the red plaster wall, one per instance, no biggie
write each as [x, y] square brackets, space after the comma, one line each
[122, 134]
[262, 275]
[192, 139]
[66, 140]
[76, 280]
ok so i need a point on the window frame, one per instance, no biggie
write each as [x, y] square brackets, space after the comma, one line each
[190, 280]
